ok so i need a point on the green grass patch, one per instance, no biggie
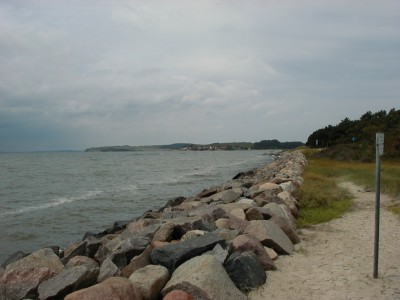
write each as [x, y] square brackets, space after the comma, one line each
[322, 199]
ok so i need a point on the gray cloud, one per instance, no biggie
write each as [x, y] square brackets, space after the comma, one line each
[80, 74]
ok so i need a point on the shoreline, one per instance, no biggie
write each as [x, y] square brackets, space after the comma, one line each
[215, 220]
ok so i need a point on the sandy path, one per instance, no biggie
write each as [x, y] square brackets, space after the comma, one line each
[335, 260]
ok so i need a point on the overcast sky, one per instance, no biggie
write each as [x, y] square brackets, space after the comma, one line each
[77, 74]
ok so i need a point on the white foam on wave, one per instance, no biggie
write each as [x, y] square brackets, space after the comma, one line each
[55, 202]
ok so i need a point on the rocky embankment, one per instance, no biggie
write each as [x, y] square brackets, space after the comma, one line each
[216, 245]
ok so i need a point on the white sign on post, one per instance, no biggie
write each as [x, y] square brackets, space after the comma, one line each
[380, 141]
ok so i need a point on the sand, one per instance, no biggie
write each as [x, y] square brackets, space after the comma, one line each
[334, 260]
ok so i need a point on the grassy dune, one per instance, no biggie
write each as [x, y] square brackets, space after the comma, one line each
[322, 199]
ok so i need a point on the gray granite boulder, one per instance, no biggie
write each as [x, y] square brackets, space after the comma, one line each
[150, 280]
[115, 288]
[23, 282]
[43, 258]
[281, 215]
[204, 278]
[108, 269]
[173, 255]
[82, 261]
[227, 196]
[270, 235]
[138, 262]
[68, 281]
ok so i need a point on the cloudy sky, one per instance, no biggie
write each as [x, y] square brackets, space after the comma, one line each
[77, 74]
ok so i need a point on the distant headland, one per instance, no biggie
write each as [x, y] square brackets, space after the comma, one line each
[262, 145]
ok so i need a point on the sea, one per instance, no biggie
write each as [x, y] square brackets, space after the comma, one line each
[54, 198]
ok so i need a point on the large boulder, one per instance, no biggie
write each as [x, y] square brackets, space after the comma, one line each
[245, 270]
[290, 202]
[183, 225]
[243, 243]
[67, 281]
[79, 250]
[150, 280]
[267, 197]
[227, 196]
[237, 223]
[257, 213]
[212, 210]
[281, 215]
[23, 282]
[164, 233]
[115, 288]
[204, 277]
[270, 187]
[108, 269]
[138, 262]
[270, 235]
[43, 258]
[82, 261]
[173, 255]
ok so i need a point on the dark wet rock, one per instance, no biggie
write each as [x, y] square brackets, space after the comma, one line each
[208, 192]
[92, 246]
[150, 280]
[171, 203]
[258, 213]
[204, 277]
[23, 282]
[67, 281]
[243, 243]
[173, 255]
[245, 270]
[183, 225]
[270, 235]
[80, 249]
[115, 288]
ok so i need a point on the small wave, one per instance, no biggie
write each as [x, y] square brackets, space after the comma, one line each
[55, 202]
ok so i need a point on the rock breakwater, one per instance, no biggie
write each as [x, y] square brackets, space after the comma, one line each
[214, 245]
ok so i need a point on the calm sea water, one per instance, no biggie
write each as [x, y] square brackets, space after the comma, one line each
[54, 198]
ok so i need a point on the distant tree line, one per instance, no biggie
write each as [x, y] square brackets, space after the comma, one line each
[275, 144]
[361, 132]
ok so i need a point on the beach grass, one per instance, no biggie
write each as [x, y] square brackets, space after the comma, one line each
[322, 199]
